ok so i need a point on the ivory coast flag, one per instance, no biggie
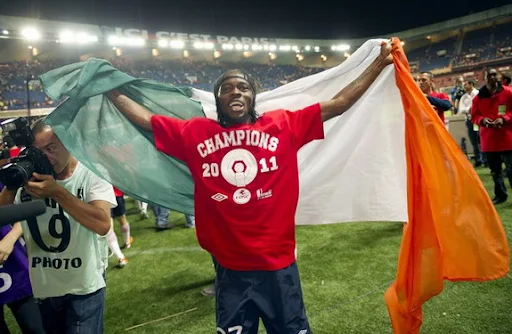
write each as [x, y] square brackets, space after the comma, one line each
[389, 158]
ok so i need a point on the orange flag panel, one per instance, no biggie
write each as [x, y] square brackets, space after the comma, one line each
[454, 231]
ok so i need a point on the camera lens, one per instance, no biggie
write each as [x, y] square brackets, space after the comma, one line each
[16, 174]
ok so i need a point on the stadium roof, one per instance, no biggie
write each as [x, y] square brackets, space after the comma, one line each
[43, 35]
[51, 29]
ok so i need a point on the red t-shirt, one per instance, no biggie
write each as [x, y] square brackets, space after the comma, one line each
[442, 96]
[246, 182]
[117, 192]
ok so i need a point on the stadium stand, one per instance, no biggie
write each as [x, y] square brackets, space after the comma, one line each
[461, 51]
[197, 74]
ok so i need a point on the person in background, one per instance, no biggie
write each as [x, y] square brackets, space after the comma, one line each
[457, 93]
[492, 112]
[190, 221]
[161, 218]
[440, 101]
[504, 78]
[15, 287]
[143, 209]
[466, 101]
[119, 213]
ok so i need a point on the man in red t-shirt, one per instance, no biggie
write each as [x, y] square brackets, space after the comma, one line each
[246, 191]
[440, 101]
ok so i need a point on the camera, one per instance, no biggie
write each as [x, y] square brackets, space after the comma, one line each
[6, 144]
[19, 169]
[4, 154]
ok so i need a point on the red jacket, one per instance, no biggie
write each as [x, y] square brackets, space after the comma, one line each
[494, 106]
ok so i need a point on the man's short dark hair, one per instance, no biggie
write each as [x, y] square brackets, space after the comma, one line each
[472, 82]
[486, 72]
[430, 74]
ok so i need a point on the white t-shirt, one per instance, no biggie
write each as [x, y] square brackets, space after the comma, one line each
[466, 101]
[64, 256]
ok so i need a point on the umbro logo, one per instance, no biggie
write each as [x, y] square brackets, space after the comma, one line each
[219, 197]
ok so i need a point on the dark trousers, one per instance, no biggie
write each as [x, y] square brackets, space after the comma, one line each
[26, 312]
[474, 138]
[74, 314]
[243, 297]
[495, 161]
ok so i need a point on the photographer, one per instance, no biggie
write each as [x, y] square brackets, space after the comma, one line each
[65, 254]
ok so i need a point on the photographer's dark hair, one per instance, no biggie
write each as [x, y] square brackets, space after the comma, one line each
[255, 87]
[39, 126]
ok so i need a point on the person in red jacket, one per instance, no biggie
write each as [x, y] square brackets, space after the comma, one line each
[492, 111]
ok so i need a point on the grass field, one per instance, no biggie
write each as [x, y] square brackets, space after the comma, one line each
[345, 270]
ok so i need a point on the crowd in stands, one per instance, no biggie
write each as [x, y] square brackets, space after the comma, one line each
[435, 55]
[469, 48]
[486, 44]
[201, 75]
[13, 84]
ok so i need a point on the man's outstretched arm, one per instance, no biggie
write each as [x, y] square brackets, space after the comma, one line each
[136, 113]
[167, 131]
[351, 93]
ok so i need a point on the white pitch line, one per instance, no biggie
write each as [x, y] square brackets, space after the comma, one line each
[161, 319]
[151, 251]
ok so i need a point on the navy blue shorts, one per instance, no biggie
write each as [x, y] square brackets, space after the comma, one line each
[243, 297]
[119, 210]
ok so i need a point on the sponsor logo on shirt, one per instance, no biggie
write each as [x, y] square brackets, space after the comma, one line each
[219, 197]
[260, 194]
[242, 196]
